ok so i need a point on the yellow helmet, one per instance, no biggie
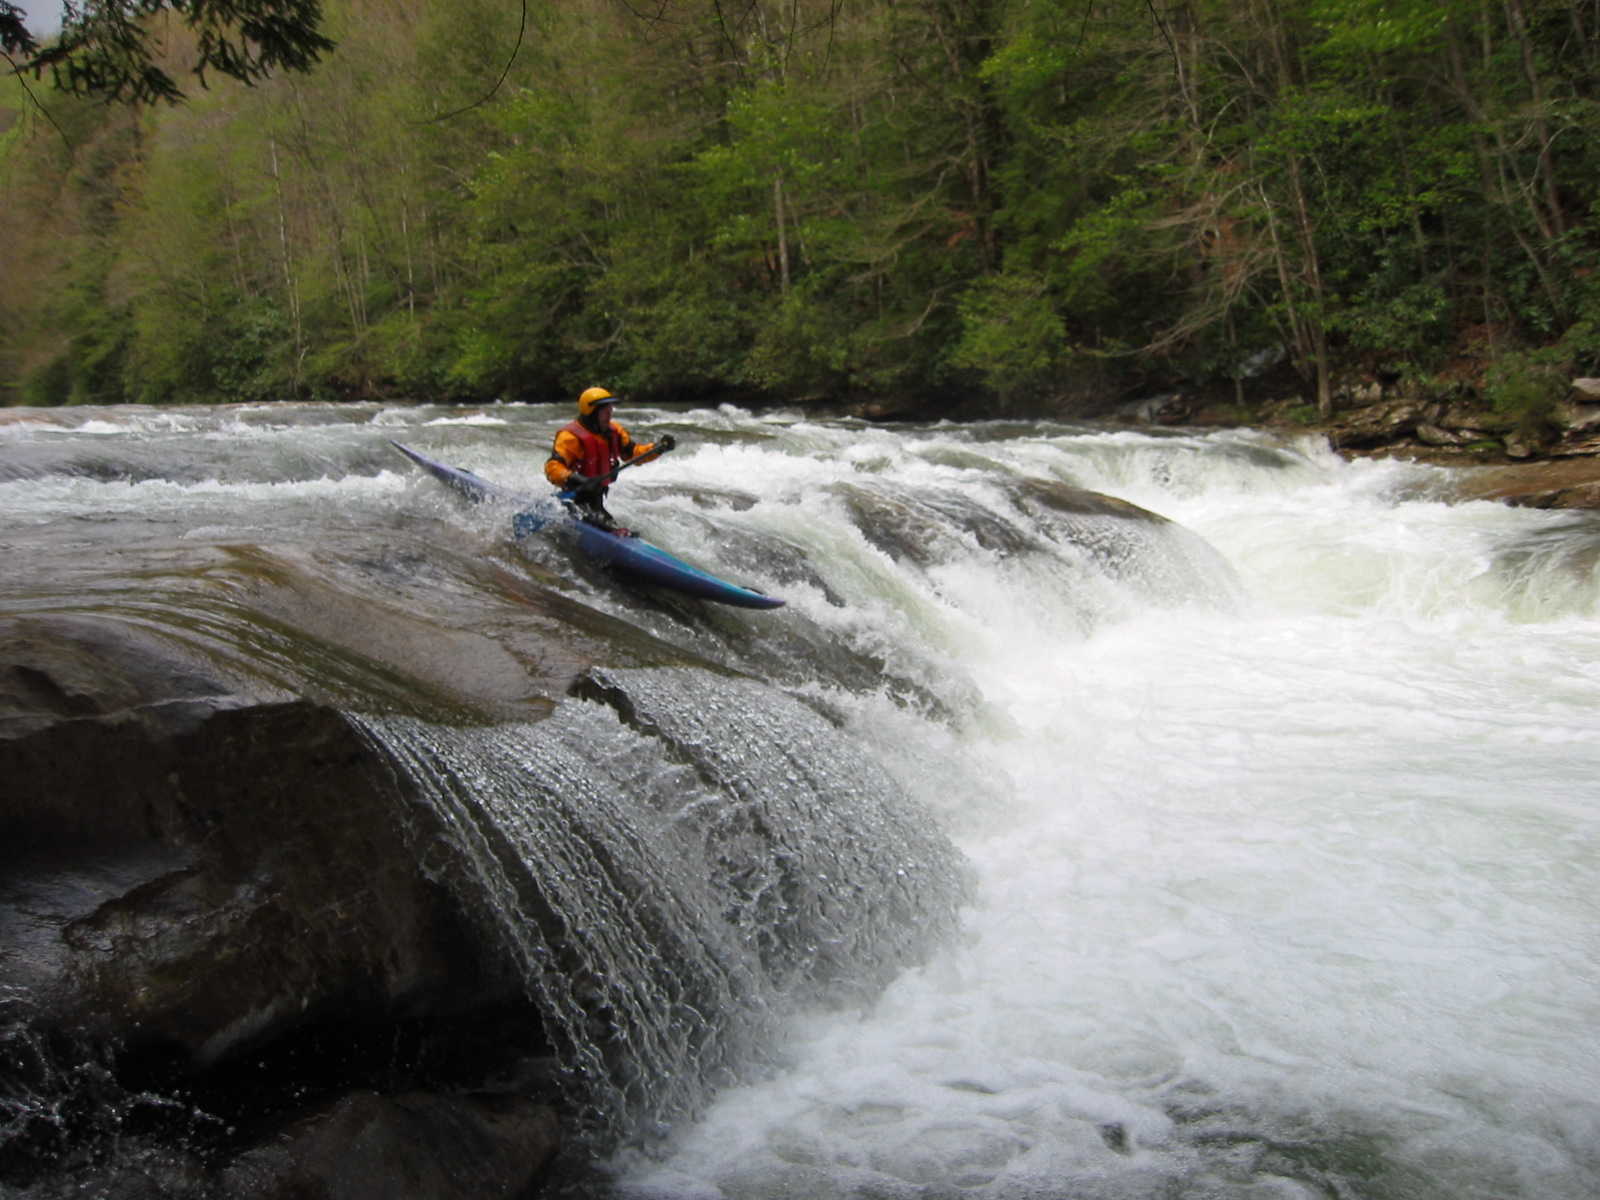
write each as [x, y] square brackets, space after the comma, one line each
[592, 399]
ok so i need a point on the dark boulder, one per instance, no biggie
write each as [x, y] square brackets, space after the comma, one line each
[225, 901]
[371, 1147]
[1377, 425]
[272, 878]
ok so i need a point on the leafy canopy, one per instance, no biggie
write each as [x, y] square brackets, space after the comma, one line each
[109, 49]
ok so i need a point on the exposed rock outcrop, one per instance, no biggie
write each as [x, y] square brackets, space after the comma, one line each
[276, 916]
[372, 1147]
[1561, 483]
[1560, 471]
[229, 901]
[1556, 466]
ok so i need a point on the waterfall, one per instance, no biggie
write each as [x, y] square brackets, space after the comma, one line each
[674, 864]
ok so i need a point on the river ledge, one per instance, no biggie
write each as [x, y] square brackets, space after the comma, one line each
[1559, 468]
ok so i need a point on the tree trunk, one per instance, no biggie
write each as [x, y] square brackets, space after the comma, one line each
[1497, 168]
[783, 235]
[291, 288]
[1518, 23]
[1311, 334]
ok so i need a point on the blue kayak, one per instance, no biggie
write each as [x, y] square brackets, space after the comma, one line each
[633, 555]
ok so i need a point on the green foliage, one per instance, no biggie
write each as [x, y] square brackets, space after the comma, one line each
[234, 352]
[110, 49]
[48, 385]
[1409, 319]
[1356, 30]
[1012, 335]
[91, 370]
[13, 115]
[1106, 248]
[876, 197]
[682, 318]
[806, 345]
[1524, 389]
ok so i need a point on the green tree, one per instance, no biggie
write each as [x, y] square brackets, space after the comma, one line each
[115, 49]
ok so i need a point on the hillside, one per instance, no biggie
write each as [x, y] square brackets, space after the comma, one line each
[1021, 208]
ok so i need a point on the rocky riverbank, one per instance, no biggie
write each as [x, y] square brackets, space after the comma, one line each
[1558, 466]
[1558, 469]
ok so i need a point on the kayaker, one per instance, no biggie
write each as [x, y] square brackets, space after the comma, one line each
[589, 451]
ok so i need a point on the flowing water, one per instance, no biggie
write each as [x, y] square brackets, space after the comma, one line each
[1282, 816]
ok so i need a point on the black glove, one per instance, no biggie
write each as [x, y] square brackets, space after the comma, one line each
[577, 481]
[666, 443]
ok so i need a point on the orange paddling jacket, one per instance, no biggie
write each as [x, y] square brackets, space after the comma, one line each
[579, 448]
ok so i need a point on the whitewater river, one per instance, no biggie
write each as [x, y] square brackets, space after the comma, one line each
[1284, 820]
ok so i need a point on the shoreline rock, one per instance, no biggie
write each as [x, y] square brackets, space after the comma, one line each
[1565, 475]
[1550, 460]
[1570, 483]
[1563, 471]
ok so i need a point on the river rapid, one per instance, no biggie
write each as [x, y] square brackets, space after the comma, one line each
[1284, 816]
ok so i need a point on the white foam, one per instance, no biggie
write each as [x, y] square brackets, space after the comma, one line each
[1324, 861]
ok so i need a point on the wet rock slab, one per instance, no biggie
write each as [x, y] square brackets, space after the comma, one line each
[241, 950]
[214, 901]
[372, 1147]
[1557, 483]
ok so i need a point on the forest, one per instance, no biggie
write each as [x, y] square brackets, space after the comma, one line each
[1034, 205]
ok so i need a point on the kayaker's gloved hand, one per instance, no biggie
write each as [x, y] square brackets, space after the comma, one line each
[577, 481]
[667, 442]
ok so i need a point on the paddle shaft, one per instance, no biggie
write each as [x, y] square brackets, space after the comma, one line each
[648, 456]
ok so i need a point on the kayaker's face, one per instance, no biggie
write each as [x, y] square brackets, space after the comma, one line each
[602, 415]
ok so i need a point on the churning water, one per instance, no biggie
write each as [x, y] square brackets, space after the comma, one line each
[1283, 814]
[1289, 881]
